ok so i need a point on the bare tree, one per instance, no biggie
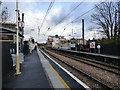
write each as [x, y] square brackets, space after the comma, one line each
[118, 4]
[0, 2]
[4, 14]
[106, 16]
[0, 11]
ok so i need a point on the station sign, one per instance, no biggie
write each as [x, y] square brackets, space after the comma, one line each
[92, 44]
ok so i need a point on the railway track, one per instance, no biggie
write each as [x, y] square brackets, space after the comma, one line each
[106, 67]
[80, 71]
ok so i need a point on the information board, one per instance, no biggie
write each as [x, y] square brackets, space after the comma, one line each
[92, 44]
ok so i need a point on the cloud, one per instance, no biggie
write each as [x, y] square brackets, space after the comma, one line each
[60, 0]
[35, 12]
[55, 15]
[32, 21]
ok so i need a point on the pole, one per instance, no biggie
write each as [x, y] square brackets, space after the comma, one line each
[99, 50]
[38, 30]
[72, 30]
[22, 23]
[98, 47]
[83, 30]
[17, 43]
[22, 26]
[119, 20]
[22, 17]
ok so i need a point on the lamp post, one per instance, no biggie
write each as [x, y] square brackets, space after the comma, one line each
[17, 43]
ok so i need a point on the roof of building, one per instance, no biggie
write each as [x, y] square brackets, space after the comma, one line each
[55, 36]
[9, 28]
[8, 25]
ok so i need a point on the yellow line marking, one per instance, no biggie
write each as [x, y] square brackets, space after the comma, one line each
[64, 83]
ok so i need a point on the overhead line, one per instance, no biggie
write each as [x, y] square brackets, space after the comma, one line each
[68, 14]
[50, 6]
[46, 31]
[62, 32]
[81, 16]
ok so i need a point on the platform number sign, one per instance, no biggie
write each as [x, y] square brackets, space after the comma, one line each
[92, 44]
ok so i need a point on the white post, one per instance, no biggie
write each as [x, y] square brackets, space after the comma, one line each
[98, 46]
[99, 50]
[17, 43]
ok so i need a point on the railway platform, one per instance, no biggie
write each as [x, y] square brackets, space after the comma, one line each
[39, 71]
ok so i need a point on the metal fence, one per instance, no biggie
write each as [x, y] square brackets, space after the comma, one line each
[111, 49]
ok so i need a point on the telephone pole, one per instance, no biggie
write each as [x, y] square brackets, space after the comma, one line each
[83, 30]
[17, 43]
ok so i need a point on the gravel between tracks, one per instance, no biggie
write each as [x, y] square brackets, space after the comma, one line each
[109, 78]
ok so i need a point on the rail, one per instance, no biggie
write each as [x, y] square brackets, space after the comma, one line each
[85, 74]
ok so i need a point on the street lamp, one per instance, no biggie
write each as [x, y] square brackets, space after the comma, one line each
[17, 43]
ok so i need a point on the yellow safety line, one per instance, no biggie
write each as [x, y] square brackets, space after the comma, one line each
[64, 83]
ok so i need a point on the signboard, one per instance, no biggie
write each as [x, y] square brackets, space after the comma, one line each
[21, 24]
[92, 44]
[72, 45]
[57, 41]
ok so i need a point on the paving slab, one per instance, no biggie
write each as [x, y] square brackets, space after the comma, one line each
[32, 75]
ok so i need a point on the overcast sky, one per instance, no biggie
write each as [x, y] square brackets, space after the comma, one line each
[35, 11]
